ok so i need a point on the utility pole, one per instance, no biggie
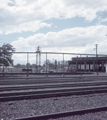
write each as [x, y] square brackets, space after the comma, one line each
[38, 53]
[96, 48]
[27, 64]
[96, 58]
[46, 63]
[63, 66]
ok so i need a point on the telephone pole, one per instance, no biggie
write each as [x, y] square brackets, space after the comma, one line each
[96, 48]
[96, 58]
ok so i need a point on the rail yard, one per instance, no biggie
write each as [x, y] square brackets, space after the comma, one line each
[53, 60]
[69, 97]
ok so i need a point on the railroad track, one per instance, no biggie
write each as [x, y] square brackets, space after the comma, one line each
[8, 96]
[66, 113]
[78, 85]
[48, 77]
[42, 88]
[49, 80]
[51, 85]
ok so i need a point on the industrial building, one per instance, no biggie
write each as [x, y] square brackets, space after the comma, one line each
[87, 64]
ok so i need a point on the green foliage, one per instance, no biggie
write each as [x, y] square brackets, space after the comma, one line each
[6, 54]
[18, 65]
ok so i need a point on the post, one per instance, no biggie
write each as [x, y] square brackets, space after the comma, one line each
[27, 63]
[102, 66]
[94, 66]
[76, 66]
[39, 61]
[89, 66]
[46, 62]
[80, 62]
[36, 62]
[38, 52]
[63, 62]
[80, 65]
[85, 66]
[3, 65]
[96, 60]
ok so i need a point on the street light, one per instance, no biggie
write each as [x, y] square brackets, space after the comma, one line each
[96, 57]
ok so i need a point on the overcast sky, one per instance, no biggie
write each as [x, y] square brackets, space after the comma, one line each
[54, 25]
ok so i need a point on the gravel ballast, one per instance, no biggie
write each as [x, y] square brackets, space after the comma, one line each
[26, 108]
[90, 116]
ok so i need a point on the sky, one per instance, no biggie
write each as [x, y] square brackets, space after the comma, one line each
[72, 26]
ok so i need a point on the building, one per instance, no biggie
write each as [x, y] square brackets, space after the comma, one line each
[7, 69]
[87, 64]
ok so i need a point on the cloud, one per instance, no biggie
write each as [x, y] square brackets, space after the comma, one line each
[1, 32]
[15, 14]
[29, 26]
[75, 39]
[103, 20]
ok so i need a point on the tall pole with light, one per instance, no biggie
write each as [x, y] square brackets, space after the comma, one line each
[96, 58]
[38, 53]
[96, 48]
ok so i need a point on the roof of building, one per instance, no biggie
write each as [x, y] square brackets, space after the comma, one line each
[89, 60]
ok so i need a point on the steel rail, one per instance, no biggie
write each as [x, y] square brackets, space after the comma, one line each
[53, 90]
[65, 113]
[57, 73]
[52, 77]
[52, 80]
[6, 78]
[29, 77]
[54, 85]
[51, 93]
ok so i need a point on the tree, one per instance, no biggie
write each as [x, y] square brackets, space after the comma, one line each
[48, 65]
[18, 65]
[28, 65]
[34, 65]
[6, 54]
